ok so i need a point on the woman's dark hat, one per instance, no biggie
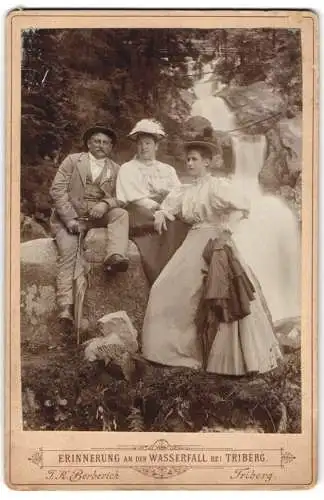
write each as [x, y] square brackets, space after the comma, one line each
[97, 129]
[203, 139]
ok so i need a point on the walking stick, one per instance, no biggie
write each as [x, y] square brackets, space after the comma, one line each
[80, 286]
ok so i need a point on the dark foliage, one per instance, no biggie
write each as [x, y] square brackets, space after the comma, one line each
[247, 56]
[89, 396]
[48, 112]
[118, 77]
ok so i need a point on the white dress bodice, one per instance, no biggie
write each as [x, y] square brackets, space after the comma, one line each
[209, 200]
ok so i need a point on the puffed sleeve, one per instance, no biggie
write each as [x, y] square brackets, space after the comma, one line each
[172, 203]
[225, 194]
[130, 186]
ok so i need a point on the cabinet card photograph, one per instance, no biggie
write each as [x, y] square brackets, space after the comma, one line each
[161, 267]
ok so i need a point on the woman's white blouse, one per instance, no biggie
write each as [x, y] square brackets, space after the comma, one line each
[209, 199]
[137, 181]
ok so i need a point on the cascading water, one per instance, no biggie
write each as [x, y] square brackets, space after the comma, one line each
[269, 239]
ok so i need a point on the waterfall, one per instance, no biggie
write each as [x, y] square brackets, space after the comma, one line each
[269, 239]
[212, 108]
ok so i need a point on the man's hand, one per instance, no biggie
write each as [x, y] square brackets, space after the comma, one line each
[99, 210]
[160, 219]
[74, 226]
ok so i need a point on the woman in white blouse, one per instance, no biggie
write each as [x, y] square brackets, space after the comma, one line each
[142, 184]
[210, 205]
[144, 180]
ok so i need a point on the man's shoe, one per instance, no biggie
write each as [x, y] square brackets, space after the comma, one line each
[116, 263]
[66, 314]
[66, 320]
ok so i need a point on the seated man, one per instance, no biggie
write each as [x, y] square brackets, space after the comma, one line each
[83, 192]
[142, 184]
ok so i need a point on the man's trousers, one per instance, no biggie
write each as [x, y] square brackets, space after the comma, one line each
[116, 221]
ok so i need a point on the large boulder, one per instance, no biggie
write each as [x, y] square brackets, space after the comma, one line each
[283, 164]
[37, 291]
[256, 104]
[288, 332]
[125, 291]
[291, 135]
[119, 325]
[116, 346]
[95, 247]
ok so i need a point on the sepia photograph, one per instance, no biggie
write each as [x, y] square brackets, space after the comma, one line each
[162, 197]
[160, 224]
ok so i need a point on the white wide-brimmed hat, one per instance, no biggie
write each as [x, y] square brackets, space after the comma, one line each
[148, 126]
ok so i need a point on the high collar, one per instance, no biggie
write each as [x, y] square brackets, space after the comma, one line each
[149, 163]
[202, 179]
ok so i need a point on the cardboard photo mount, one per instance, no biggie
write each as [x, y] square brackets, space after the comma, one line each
[37, 460]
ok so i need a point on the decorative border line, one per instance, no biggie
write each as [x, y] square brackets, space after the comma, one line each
[162, 451]
[8, 207]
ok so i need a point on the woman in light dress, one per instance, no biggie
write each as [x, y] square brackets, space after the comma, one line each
[210, 205]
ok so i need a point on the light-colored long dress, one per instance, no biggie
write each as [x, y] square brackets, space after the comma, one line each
[169, 332]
